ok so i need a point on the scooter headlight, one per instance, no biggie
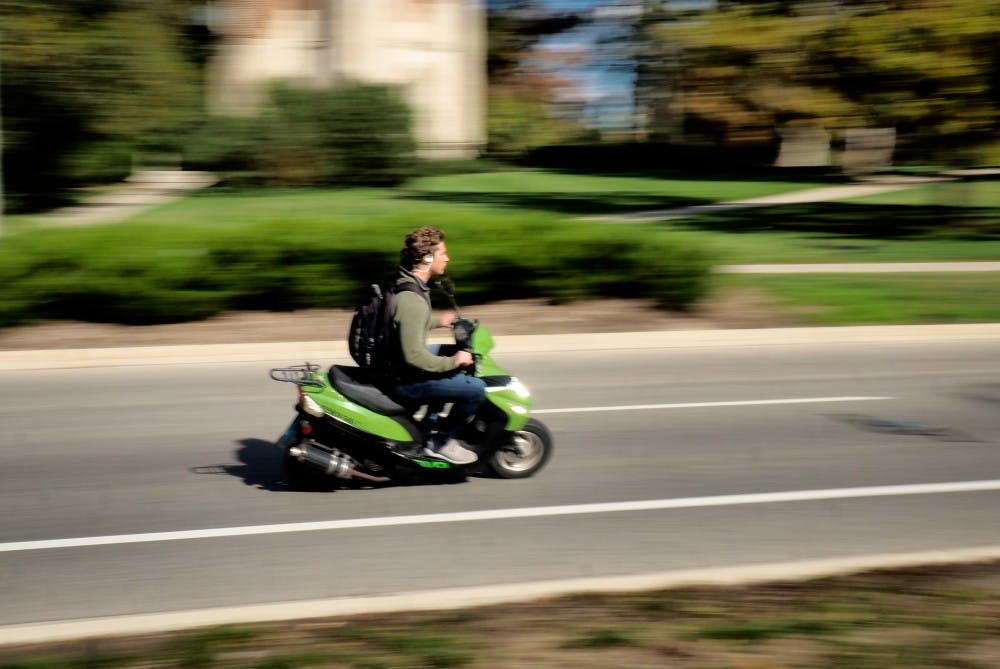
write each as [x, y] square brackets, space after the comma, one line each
[519, 388]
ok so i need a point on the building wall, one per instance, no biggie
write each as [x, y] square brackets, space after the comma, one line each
[435, 50]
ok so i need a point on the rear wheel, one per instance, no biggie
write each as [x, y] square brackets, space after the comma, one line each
[528, 451]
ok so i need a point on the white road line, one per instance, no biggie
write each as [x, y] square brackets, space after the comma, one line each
[506, 514]
[702, 405]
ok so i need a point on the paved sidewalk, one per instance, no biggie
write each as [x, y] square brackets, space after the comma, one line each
[810, 195]
[299, 351]
[140, 191]
[862, 268]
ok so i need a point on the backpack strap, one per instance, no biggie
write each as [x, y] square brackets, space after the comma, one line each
[390, 290]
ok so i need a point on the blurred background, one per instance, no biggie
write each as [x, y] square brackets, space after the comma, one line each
[573, 150]
[332, 127]
[91, 91]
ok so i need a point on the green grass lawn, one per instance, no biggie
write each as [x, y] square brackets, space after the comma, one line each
[973, 193]
[896, 227]
[903, 299]
[584, 195]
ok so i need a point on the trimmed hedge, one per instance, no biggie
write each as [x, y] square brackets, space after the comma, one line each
[146, 274]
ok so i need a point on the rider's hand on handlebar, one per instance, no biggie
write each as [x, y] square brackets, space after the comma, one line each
[463, 358]
[448, 319]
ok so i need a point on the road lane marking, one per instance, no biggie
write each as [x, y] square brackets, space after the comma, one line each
[507, 514]
[703, 405]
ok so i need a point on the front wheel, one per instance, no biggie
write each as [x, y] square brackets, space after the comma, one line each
[528, 451]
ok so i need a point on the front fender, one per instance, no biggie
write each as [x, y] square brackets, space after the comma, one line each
[513, 400]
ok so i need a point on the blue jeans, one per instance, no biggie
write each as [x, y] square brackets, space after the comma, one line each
[466, 393]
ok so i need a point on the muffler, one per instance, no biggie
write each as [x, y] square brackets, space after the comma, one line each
[333, 462]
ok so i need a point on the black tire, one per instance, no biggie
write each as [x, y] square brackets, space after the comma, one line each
[529, 449]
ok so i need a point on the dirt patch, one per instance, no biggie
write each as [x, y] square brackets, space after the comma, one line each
[740, 308]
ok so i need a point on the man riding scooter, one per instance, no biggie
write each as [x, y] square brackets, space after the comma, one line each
[384, 420]
[423, 375]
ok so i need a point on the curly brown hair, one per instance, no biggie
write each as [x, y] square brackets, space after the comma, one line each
[419, 243]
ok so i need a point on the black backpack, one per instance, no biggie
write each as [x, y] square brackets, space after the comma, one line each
[370, 338]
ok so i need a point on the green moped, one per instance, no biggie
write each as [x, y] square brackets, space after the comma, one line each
[347, 430]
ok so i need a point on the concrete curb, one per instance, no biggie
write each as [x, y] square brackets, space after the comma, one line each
[861, 268]
[456, 598]
[336, 351]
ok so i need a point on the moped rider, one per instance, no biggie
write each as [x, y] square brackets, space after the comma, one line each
[430, 375]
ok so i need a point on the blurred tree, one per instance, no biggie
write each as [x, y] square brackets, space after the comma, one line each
[86, 85]
[630, 42]
[526, 101]
[927, 68]
[514, 27]
[355, 134]
[524, 116]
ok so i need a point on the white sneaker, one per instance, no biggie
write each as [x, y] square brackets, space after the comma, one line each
[453, 452]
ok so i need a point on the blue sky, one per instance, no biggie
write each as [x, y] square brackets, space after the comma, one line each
[570, 5]
[607, 91]
[608, 94]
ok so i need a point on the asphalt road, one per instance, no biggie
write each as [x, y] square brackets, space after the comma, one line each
[667, 458]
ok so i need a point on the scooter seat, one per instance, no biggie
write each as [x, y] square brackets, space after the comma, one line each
[355, 384]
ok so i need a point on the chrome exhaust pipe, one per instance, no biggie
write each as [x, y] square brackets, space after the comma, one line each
[333, 463]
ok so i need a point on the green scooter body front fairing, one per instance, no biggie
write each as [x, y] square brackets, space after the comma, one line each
[505, 392]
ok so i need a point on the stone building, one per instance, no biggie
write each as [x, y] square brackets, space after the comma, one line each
[435, 50]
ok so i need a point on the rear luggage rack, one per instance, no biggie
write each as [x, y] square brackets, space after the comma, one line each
[300, 375]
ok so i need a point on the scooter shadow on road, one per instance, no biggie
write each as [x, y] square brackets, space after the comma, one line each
[260, 466]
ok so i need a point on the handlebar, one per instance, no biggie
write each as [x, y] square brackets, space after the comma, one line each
[463, 329]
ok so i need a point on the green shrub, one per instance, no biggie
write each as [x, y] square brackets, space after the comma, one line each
[565, 264]
[99, 162]
[226, 145]
[141, 274]
[357, 134]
